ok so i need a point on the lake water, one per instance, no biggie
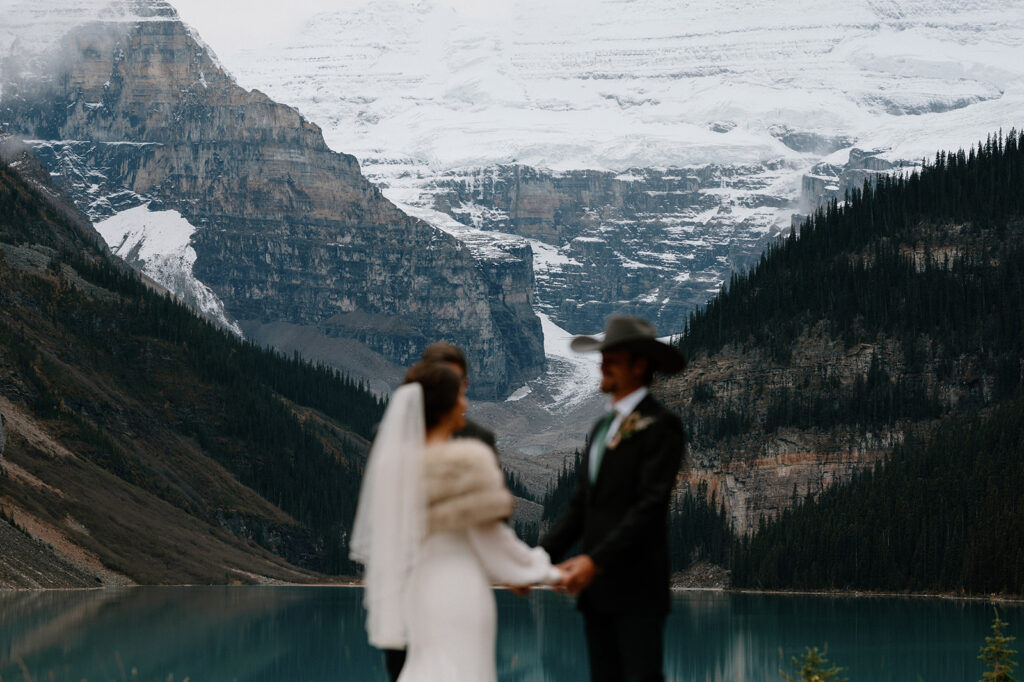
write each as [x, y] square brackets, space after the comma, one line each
[299, 634]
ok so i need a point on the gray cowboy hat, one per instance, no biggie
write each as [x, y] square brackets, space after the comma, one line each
[637, 335]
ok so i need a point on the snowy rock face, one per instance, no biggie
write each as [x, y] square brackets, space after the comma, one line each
[223, 195]
[650, 242]
[696, 121]
[159, 244]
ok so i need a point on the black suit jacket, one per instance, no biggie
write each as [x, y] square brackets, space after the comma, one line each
[480, 433]
[622, 518]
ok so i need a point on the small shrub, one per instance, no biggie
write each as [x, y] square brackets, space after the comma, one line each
[811, 667]
[998, 654]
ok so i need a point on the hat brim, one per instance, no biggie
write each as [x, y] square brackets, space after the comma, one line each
[665, 358]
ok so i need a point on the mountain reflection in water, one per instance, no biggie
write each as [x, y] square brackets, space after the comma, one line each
[285, 634]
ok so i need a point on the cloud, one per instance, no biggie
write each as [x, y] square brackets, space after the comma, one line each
[228, 25]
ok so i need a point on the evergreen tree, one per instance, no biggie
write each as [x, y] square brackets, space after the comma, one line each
[998, 655]
[939, 515]
[811, 667]
[516, 486]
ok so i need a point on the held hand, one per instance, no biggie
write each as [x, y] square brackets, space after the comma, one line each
[520, 590]
[578, 572]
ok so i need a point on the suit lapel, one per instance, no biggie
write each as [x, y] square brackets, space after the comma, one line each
[647, 407]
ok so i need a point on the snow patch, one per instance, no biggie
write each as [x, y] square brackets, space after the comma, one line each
[519, 394]
[159, 242]
[489, 245]
[571, 377]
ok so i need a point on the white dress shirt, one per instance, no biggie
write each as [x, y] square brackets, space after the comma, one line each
[623, 407]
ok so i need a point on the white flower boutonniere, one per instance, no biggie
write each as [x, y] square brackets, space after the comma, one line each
[633, 423]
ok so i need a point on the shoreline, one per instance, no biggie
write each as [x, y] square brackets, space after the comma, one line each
[852, 594]
[868, 594]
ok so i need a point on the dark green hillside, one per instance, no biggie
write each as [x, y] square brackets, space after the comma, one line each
[932, 261]
[221, 453]
[943, 516]
[898, 312]
[896, 317]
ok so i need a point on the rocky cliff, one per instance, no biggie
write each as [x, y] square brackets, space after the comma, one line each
[830, 180]
[138, 111]
[883, 319]
[759, 472]
[138, 443]
[649, 242]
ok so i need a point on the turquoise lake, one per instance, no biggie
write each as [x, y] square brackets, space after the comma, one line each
[298, 634]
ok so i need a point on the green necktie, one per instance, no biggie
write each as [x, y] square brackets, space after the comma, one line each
[600, 442]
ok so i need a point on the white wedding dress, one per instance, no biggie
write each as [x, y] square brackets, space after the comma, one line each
[430, 592]
[450, 604]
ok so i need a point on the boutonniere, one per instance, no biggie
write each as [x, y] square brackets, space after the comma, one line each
[633, 423]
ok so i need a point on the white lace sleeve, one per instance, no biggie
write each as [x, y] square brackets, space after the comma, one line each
[507, 559]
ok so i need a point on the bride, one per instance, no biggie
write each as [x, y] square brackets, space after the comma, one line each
[430, 531]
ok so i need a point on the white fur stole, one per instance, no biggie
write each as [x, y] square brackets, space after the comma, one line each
[464, 485]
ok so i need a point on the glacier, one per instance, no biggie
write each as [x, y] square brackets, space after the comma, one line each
[441, 101]
[731, 105]
[158, 243]
[428, 86]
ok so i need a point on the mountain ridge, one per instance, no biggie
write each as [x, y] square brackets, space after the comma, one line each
[772, 106]
[131, 113]
[879, 320]
[144, 444]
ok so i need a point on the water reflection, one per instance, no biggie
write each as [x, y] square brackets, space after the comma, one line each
[277, 634]
[215, 633]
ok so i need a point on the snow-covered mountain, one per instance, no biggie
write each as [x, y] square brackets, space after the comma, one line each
[235, 202]
[636, 150]
[709, 123]
[617, 84]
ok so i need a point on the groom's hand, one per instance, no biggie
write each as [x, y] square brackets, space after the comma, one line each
[519, 590]
[578, 572]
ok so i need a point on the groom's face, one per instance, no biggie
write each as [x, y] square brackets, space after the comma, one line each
[621, 372]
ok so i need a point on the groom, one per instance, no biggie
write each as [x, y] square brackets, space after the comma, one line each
[620, 508]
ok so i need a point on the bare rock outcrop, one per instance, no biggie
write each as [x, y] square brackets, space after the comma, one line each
[649, 242]
[135, 112]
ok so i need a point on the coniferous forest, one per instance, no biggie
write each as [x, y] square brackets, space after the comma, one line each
[932, 263]
[103, 361]
[946, 515]
[943, 511]
[850, 268]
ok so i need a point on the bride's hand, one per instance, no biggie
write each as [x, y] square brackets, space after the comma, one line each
[577, 573]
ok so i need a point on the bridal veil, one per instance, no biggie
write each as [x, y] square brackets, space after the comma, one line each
[391, 519]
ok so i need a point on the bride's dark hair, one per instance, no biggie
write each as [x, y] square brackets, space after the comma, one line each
[441, 387]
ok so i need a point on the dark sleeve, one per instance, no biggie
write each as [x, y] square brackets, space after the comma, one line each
[480, 433]
[569, 526]
[657, 479]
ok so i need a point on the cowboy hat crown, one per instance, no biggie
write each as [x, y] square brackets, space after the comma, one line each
[637, 335]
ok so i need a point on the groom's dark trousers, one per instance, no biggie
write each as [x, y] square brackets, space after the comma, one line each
[622, 520]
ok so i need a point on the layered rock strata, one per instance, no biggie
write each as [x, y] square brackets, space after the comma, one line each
[649, 242]
[135, 112]
[758, 474]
